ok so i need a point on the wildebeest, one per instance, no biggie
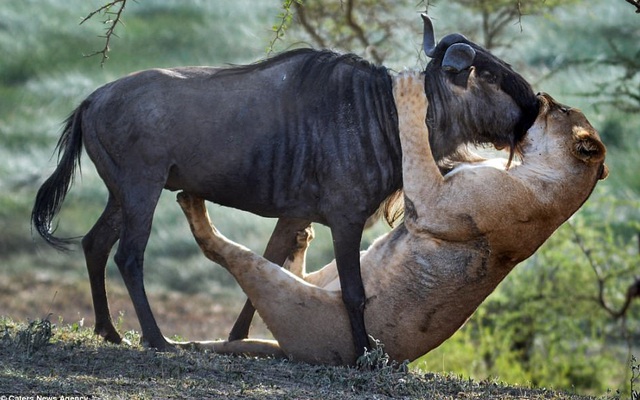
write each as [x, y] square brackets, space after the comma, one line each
[306, 135]
[462, 234]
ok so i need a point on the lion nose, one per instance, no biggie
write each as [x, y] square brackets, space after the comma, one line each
[604, 171]
[543, 95]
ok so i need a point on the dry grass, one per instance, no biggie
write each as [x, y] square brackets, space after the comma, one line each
[38, 357]
[72, 361]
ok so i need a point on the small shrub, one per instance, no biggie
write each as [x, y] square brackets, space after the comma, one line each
[635, 376]
[378, 359]
[30, 339]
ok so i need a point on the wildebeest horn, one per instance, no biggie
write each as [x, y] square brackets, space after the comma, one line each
[428, 39]
[459, 56]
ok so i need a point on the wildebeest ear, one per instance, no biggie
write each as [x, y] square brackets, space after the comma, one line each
[588, 147]
[458, 57]
[428, 37]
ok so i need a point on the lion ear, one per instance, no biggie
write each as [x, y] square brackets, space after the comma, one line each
[588, 147]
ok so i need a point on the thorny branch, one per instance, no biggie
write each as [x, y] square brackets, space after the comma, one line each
[349, 19]
[111, 25]
[285, 21]
[636, 4]
[633, 291]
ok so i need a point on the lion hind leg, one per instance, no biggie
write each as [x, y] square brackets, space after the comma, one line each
[211, 242]
[215, 246]
[296, 261]
[308, 322]
[247, 347]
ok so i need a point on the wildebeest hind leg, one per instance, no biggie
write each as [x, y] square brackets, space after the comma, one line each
[97, 245]
[138, 206]
[281, 244]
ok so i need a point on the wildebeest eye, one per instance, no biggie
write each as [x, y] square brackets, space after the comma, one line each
[488, 77]
[461, 78]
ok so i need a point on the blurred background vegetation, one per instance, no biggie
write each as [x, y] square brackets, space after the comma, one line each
[552, 323]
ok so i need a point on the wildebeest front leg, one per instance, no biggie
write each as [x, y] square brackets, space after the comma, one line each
[346, 244]
[280, 246]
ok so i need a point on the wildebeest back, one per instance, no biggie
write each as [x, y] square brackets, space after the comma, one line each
[280, 138]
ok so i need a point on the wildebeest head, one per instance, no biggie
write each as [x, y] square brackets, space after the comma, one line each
[474, 96]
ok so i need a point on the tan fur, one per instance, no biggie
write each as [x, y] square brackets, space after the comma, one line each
[462, 234]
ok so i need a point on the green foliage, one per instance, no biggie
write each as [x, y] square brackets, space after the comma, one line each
[522, 7]
[284, 22]
[378, 30]
[496, 15]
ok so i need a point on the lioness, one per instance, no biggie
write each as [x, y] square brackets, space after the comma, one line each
[462, 234]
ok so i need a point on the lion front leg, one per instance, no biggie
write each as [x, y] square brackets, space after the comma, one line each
[422, 180]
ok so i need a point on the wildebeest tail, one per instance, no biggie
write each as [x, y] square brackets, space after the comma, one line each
[54, 190]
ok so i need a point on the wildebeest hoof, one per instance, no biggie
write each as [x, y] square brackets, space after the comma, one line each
[110, 335]
[165, 345]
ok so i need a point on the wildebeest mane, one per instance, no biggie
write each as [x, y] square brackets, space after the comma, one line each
[317, 64]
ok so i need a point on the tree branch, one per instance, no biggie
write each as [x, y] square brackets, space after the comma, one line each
[636, 4]
[111, 25]
[306, 25]
[359, 32]
[285, 21]
[633, 291]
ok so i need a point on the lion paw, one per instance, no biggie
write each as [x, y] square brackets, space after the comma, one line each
[409, 94]
[304, 237]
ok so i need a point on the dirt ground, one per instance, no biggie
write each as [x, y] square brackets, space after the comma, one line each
[77, 362]
[189, 316]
